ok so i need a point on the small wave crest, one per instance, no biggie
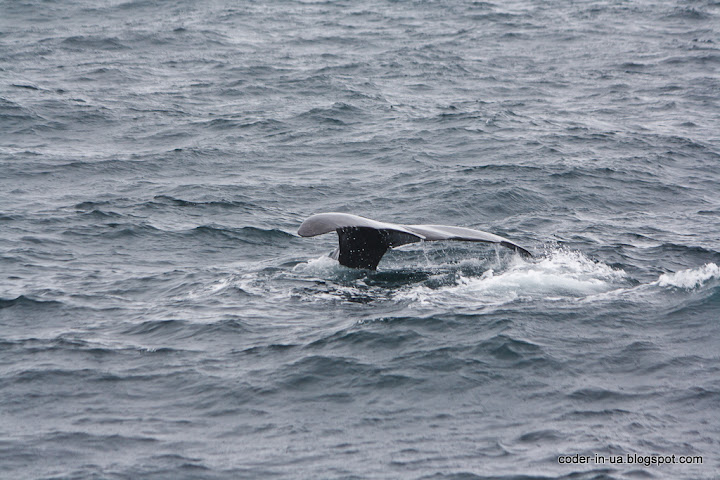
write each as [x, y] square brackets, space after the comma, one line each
[690, 278]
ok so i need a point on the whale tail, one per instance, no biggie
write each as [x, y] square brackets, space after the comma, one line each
[363, 242]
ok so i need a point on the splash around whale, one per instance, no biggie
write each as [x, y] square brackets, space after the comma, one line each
[363, 242]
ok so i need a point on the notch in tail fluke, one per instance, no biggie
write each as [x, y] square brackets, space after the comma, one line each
[363, 242]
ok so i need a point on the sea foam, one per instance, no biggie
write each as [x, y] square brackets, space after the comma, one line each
[561, 274]
[690, 278]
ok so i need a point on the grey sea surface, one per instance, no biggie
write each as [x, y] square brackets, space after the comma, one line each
[161, 319]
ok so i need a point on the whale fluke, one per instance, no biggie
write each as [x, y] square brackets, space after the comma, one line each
[363, 242]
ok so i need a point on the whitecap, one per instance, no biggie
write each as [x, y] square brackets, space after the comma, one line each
[690, 278]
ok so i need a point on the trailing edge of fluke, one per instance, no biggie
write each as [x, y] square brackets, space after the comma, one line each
[363, 241]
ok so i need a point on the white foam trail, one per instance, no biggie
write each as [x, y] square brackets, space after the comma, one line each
[327, 268]
[560, 275]
[690, 278]
[320, 266]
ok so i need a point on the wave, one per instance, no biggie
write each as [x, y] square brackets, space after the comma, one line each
[338, 114]
[330, 377]
[364, 338]
[126, 228]
[184, 329]
[114, 230]
[170, 200]
[94, 42]
[250, 235]
[161, 202]
[691, 278]
[23, 301]
[687, 13]
[14, 115]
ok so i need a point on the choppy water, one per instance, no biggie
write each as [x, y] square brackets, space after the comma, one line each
[159, 319]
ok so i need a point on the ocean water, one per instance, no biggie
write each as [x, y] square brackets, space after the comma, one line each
[161, 319]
